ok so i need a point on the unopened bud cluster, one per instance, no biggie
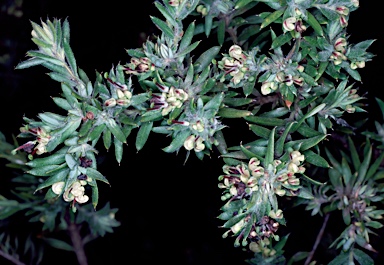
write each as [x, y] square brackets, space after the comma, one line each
[235, 64]
[139, 66]
[46, 33]
[123, 97]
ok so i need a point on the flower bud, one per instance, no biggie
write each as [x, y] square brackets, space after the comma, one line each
[288, 80]
[253, 163]
[127, 94]
[123, 102]
[82, 199]
[58, 187]
[298, 80]
[340, 44]
[360, 64]
[350, 109]
[189, 143]
[294, 181]
[342, 10]
[343, 21]
[296, 157]
[289, 24]
[236, 52]
[266, 88]
[300, 27]
[110, 102]
[280, 192]
[199, 146]
[174, 3]
[280, 77]
[198, 126]
[300, 68]
[292, 167]
[120, 93]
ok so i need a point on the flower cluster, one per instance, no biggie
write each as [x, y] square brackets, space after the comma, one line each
[242, 180]
[194, 142]
[234, 64]
[169, 99]
[42, 139]
[139, 66]
[123, 96]
[73, 193]
[295, 23]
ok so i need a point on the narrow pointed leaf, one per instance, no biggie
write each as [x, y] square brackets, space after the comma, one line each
[143, 134]
[115, 130]
[270, 155]
[177, 142]
[94, 174]
[163, 27]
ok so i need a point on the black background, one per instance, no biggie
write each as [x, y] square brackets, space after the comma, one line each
[167, 210]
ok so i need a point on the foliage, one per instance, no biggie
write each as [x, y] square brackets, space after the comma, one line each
[287, 72]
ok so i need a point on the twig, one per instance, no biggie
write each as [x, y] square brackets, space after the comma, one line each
[11, 258]
[77, 243]
[318, 239]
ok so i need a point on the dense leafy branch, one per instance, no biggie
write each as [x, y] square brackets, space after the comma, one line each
[286, 72]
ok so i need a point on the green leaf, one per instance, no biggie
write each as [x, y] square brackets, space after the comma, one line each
[272, 17]
[43, 171]
[188, 49]
[45, 57]
[270, 155]
[208, 19]
[57, 243]
[221, 32]
[307, 115]
[29, 63]
[248, 153]
[115, 130]
[315, 159]
[177, 142]
[62, 103]
[63, 133]
[54, 159]
[241, 3]
[265, 120]
[281, 40]
[59, 176]
[94, 174]
[70, 57]
[71, 162]
[143, 134]
[233, 113]
[107, 139]
[279, 147]
[118, 149]
[260, 131]
[168, 17]
[362, 257]
[297, 257]
[206, 58]
[364, 167]
[312, 21]
[187, 37]
[163, 27]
